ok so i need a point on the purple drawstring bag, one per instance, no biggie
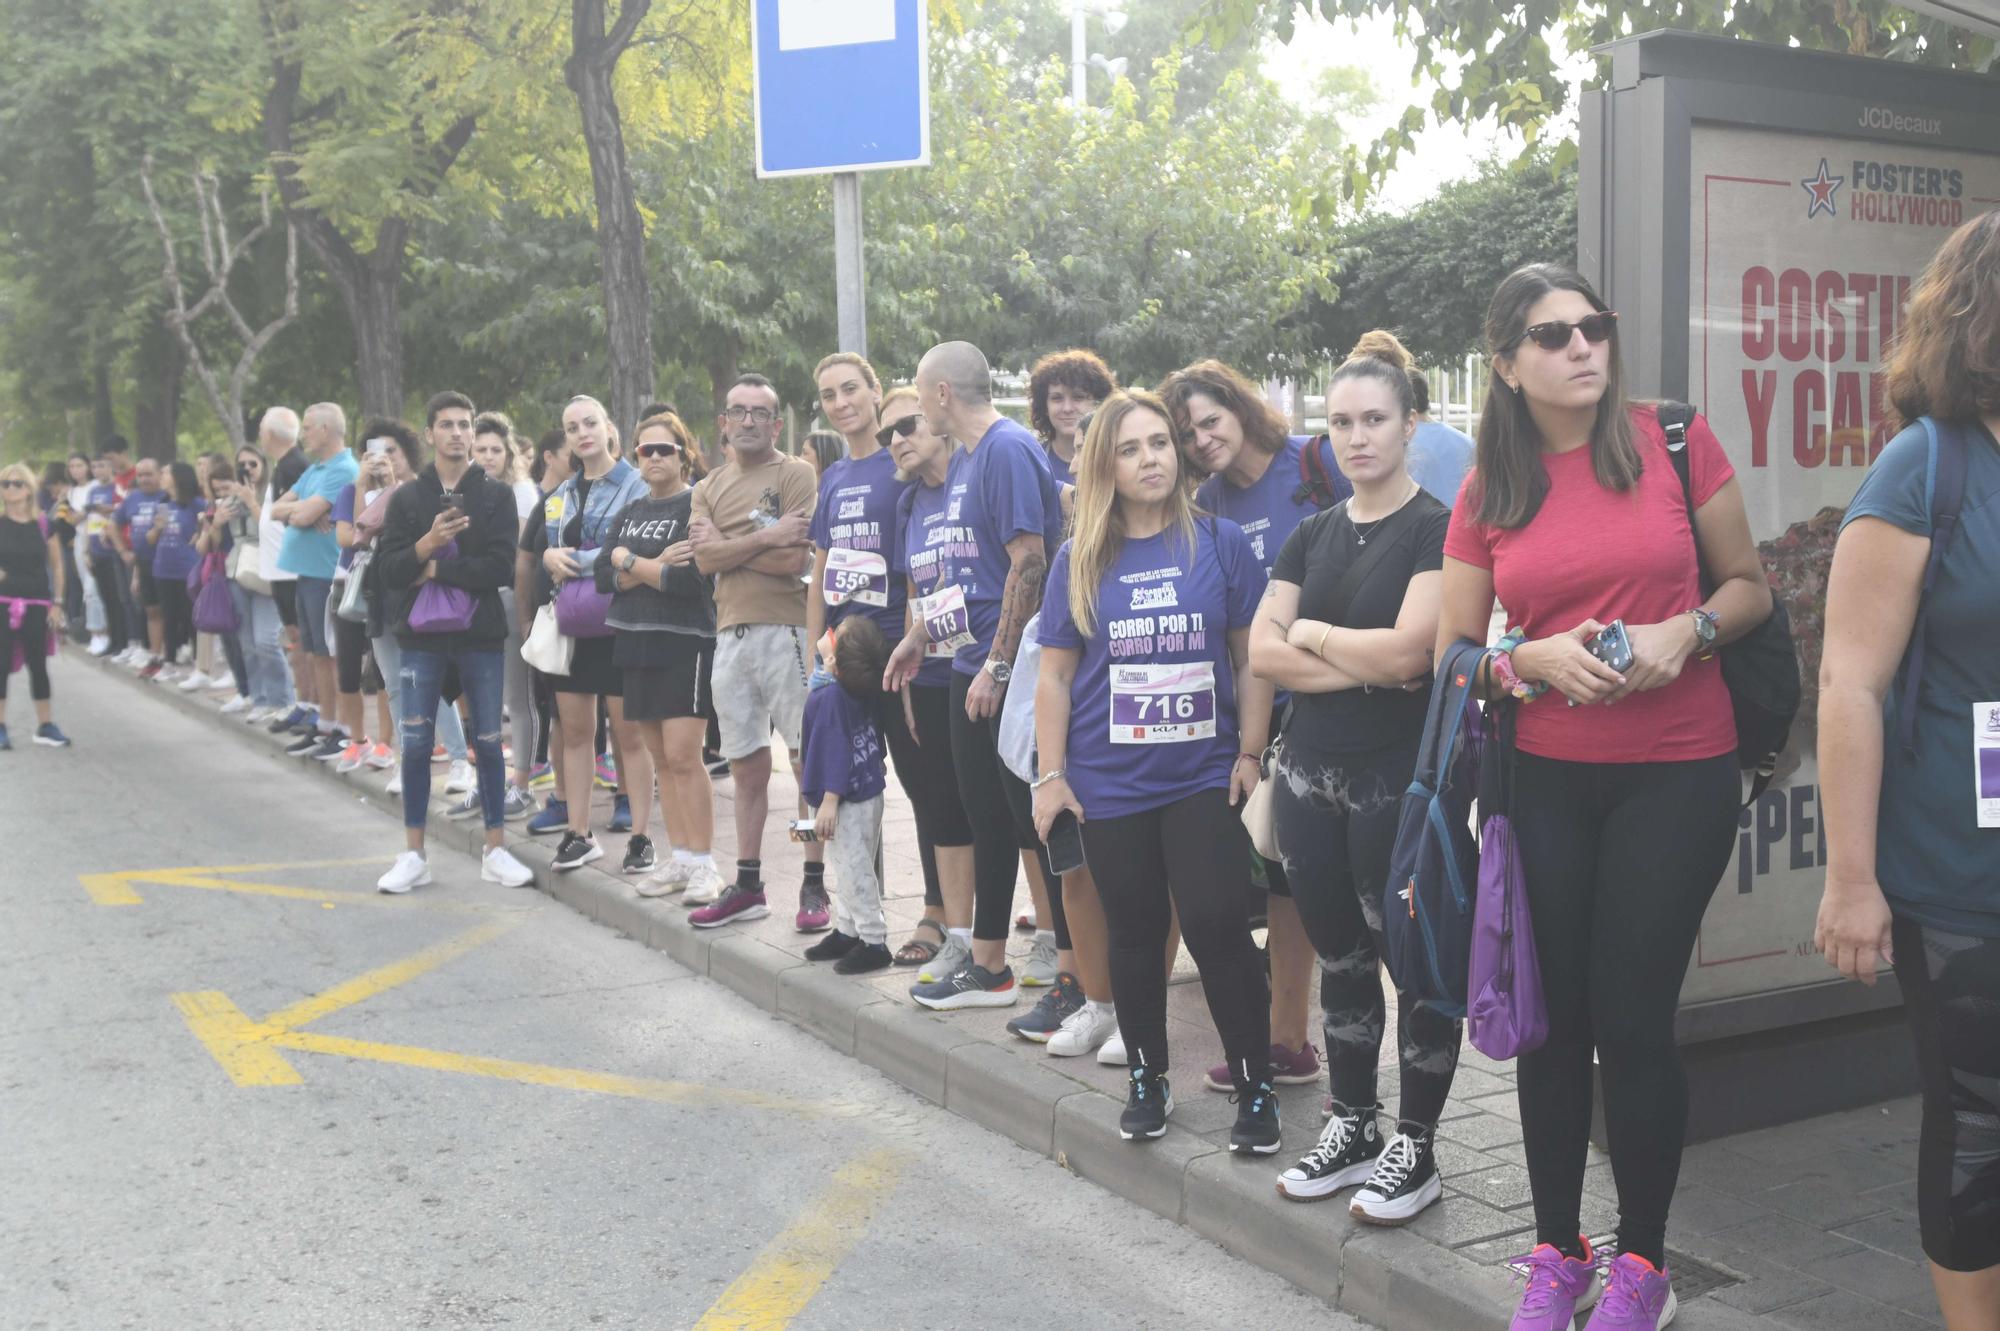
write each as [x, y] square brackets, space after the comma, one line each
[1505, 1014]
[439, 608]
[214, 607]
[581, 609]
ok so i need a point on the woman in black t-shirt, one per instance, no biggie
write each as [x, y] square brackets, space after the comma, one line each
[31, 596]
[1348, 624]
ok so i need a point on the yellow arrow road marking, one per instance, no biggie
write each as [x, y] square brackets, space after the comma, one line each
[115, 889]
[235, 1041]
[782, 1281]
[384, 978]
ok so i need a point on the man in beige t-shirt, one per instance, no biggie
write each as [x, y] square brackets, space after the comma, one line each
[751, 526]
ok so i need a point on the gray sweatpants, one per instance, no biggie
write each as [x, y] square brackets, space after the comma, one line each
[853, 855]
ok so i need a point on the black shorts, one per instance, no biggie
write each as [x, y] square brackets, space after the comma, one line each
[286, 594]
[591, 671]
[1951, 988]
[677, 689]
[149, 590]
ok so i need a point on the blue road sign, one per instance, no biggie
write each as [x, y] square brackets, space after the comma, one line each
[840, 85]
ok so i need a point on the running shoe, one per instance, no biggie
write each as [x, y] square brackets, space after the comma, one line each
[440, 754]
[954, 956]
[382, 758]
[99, 644]
[607, 775]
[671, 877]
[410, 870]
[330, 748]
[461, 778]
[1257, 1130]
[832, 947]
[1638, 1296]
[395, 786]
[1039, 971]
[1063, 1000]
[1405, 1180]
[638, 855]
[576, 851]
[517, 804]
[1112, 1052]
[152, 669]
[1289, 1067]
[309, 726]
[736, 903]
[1344, 1156]
[49, 737]
[288, 720]
[542, 777]
[195, 680]
[704, 885]
[351, 758]
[973, 986]
[814, 909]
[621, 815]
[303, 745]
[498, 865]
[714, 763]
[221, 683]
[236, 706]
[1025, 921]
[865, 959]
[554, 817]
[465, 806]
[1084, 1031]
[1148, 1100]
[1558, 1289]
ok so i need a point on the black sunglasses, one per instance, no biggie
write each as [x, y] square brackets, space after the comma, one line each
[1555, 334]
[901, 429]
[657, 450]
[13, 484]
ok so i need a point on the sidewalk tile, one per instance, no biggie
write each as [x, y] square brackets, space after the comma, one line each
[1503, 1186]
[1893, 1232]
[1818, 1201]
[1876, 1275]
[1841, 1311]
[1455, 1221]
[1481, 1131]
[1780, 1239]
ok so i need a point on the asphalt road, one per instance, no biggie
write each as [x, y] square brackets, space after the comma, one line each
[267, 1097]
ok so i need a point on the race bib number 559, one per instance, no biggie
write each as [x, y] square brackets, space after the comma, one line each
[1162, 704]
[860, 576]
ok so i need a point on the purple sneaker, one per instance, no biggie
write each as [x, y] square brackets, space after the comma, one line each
[737, 903]
[1557, 1287]
[1289, 1067]
[814, 908]
[1637, 1297]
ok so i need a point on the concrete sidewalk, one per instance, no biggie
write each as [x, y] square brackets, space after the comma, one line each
[1811, 1224]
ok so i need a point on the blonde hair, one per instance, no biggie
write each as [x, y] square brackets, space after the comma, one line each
[1383, 345]
[1097, 532]
[20, 471]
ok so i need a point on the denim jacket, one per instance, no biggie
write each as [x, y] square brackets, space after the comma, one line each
[609, 495]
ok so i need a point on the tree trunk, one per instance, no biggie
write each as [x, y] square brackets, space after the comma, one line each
[375, 308]
[621, 238]
[103, 420]
[160, 366]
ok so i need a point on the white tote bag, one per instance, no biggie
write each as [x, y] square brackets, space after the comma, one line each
[546, 648]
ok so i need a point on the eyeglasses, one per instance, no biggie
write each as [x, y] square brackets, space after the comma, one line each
[13, 483]
[657, 450]
[755, 415]
[1555, 334]
[901, 429]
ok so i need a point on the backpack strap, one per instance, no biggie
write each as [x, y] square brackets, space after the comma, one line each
[1316, 483]
[1948, 449]
[1675, 417]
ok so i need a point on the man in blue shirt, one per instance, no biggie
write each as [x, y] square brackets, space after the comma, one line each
[1439, 456]
[310, 551]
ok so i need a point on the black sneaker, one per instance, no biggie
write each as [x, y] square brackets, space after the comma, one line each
[638, 855]
[330, 748]
[714, 763]
[303, 745]
[575, 852]
[308, 726]
[1148, 1101]
[1256, 1131]
[1345, 1156]
[1405, 1180]
[1062, 999]
[865, 958]
[832, 947]
[282, 724]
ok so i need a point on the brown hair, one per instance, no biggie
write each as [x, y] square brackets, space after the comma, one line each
[1078, 369]
[1383, 345]
[1508, 483]
[1945, 362]
[693, 466]
[855, 359]
[1263, 427]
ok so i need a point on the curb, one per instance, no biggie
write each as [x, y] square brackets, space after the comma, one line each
[1390, 1278]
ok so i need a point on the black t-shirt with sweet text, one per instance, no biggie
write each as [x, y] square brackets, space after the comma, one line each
[1316, 557]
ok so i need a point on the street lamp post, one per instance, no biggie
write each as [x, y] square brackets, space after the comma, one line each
[1080, 59]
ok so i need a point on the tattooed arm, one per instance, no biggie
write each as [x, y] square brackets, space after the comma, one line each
[1027, 570]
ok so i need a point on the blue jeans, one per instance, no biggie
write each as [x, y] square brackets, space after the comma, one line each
[259, 637]
[389, 660]
[481, 675]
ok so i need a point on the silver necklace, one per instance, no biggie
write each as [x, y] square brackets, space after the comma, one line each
[1361, 537]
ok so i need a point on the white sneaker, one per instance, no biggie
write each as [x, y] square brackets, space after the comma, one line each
[500, 866]
[237, 704]
[704, 886]
[219, 683]
[1112, 1052]
[461, 779]
[410, 870]
[195, 680]
[99, 644]
[1084, 1030]
[395, 786]
[669, 878]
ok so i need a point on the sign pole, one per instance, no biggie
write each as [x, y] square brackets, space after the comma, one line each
[849, 277]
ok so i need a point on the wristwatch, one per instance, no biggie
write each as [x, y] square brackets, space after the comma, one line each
[630, 560]
[1000, 670]
[1706, 627]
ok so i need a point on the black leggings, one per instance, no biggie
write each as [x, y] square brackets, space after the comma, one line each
[1192, 856]
[1336, 821]
[924, 770]
[108, 571]
[1620, 861]
[176, 615]
[1951, 986]
[33, 639]
[350, 644]
[1000, 811]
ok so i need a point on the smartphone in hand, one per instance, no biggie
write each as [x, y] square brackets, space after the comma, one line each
[1065, 843]
[1613, 646]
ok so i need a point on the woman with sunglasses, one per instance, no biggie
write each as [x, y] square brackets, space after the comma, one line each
[663, 615]
[259, 629]
[1626, 784]
[31, 594]
[942, 941]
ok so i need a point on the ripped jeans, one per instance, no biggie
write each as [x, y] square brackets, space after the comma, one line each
[420, 686]
[1336, 819]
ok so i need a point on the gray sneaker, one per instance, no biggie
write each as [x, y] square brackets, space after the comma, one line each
[464, 806]
[1039, 972]
[952, 958]
[518, 803]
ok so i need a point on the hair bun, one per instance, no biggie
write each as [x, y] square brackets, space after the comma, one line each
[1383, 345]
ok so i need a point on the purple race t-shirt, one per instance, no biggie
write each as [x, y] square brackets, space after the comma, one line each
[1153, 703]
[1009, 491]
[175, 555]
[928, 554]
[843, 749]
[1269, 510]
[855, 523]
[135, 514]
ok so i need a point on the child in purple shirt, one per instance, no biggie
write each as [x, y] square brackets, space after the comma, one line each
[842, 776]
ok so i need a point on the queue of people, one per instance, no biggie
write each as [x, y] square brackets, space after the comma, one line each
[1186, 601]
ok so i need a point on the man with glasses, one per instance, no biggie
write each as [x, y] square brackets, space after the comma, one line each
[310, 553]
[751, 529]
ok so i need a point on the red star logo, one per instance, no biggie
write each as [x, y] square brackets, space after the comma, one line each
[1821, 187]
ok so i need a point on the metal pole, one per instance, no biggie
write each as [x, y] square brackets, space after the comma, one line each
[849, 283]
[1079, 56]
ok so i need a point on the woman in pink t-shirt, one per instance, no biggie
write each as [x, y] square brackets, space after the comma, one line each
[1627, 786]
